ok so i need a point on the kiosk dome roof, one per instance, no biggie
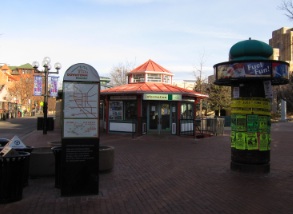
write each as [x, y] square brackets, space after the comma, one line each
[250, 50]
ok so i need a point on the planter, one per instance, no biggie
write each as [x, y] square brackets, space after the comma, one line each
[55, 143]
[106, 158]
[42, 162]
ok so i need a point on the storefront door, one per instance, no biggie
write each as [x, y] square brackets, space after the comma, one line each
[159, 117]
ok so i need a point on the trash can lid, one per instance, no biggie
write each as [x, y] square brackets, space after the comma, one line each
[4, 140]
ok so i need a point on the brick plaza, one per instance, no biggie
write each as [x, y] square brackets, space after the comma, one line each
[171, 174]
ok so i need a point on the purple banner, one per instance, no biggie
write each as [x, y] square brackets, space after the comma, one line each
[38, 86]
[54, 87]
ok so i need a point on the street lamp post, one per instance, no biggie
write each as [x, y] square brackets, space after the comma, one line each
[14, 108]
[47, 67]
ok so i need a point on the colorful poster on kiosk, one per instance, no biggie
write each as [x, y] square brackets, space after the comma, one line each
[263, 69]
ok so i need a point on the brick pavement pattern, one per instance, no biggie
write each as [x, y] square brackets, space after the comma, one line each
[171, 174]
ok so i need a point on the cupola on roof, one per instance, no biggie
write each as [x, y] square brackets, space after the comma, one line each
[150, 66]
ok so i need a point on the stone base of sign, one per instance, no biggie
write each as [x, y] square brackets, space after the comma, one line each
[42, 162]
[79, 162]
[250, 168]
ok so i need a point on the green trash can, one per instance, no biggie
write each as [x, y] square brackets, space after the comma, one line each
[12, 177]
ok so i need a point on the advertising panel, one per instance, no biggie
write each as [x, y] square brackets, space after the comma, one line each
[244, 69]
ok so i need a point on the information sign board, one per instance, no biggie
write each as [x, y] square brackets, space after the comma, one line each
[80, 134]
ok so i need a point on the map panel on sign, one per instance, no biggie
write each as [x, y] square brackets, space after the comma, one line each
[81, 100]
[80, 128]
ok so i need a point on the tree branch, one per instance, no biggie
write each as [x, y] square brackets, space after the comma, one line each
[287, 6]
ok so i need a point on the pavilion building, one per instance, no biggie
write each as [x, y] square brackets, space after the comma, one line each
[149, 103]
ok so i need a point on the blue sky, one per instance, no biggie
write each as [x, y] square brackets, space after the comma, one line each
[178, 35]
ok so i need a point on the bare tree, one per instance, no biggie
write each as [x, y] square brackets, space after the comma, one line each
[200, 82]
[284, 92]
[119, 72]
[219, 97]
[287, 6]
[198, 70]
[23, 89]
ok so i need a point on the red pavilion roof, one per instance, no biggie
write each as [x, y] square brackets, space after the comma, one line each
[150, 66]
[150, 87]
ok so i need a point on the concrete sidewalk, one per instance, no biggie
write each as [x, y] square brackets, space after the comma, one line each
[170, 174]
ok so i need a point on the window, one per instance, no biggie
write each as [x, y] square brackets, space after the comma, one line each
[115, 110]
[138, 77]
[167, 79]
[122, 110]
[186, 111]
[130, 110]
[154, 78]
[101, 113]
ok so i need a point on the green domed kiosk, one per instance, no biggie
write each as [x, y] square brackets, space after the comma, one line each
[251, 75]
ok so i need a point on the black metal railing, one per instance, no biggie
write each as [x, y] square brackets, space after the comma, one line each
[200, 126]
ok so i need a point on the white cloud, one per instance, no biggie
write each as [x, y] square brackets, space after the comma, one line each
[121, 2]
[104, 33]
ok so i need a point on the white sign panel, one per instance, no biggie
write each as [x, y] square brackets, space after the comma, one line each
[268, 89]
[16, 143]
[236, 92]
[169, 97]
[81, 73]
[81, 100]
[80, 128]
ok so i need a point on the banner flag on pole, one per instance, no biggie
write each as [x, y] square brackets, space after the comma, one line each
[54, 87]
[38, 86]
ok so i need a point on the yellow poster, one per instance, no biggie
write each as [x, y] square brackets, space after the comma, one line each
[262, 103]
[263, 124]
[261, 111]
[241, 122]
[240, 140]
[250, 111]
[252, 123]
[252, 141]
[233, 139]
[263, 142]
[233, 122]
